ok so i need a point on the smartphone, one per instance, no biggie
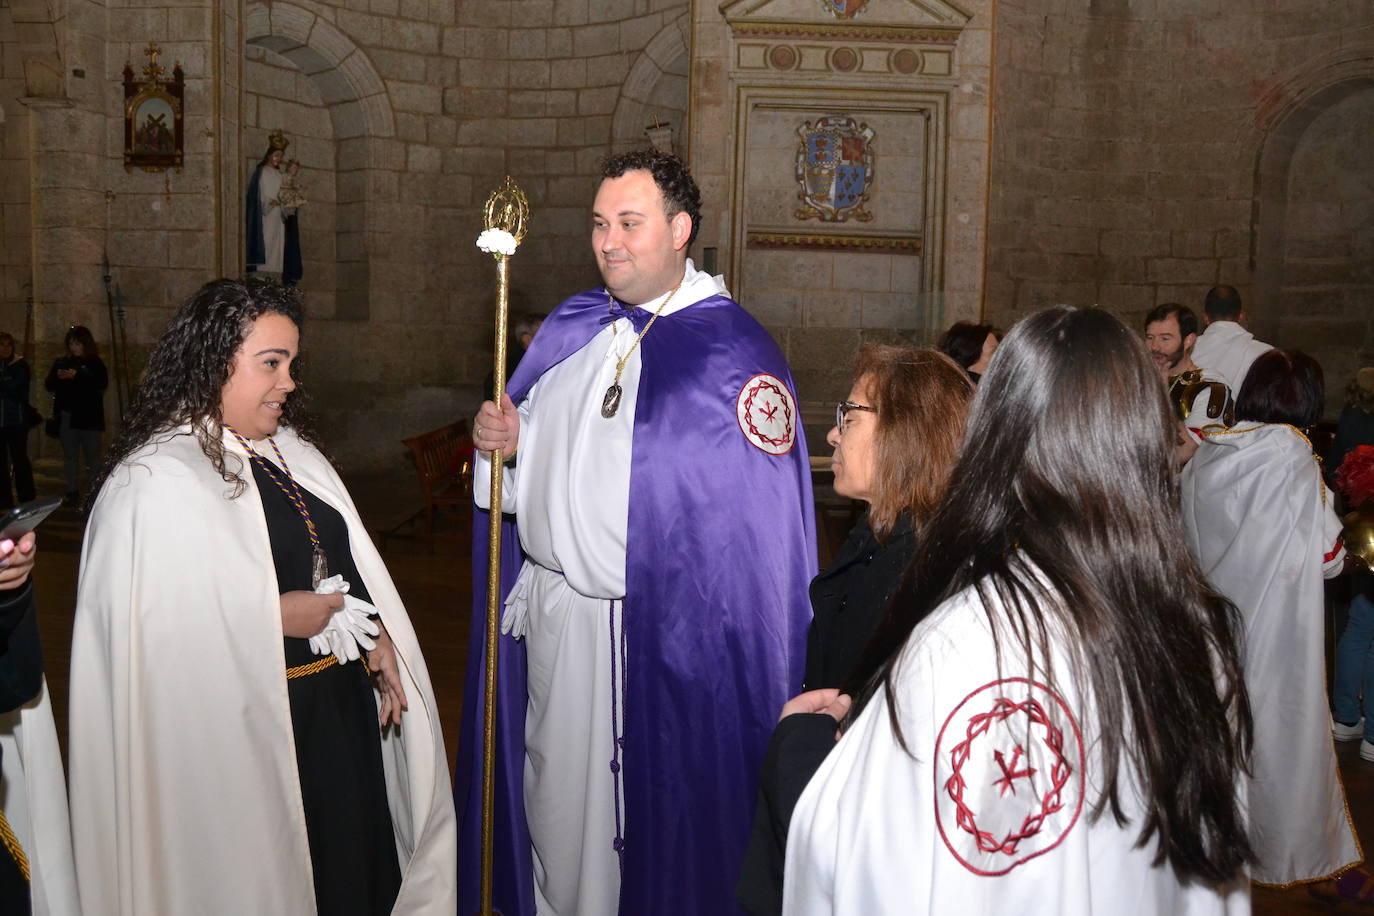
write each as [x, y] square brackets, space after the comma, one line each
[20, 520]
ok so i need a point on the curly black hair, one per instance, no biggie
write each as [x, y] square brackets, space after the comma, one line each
[674, 180]
[189, 366]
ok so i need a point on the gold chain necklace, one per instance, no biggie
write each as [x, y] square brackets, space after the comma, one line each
[611, 402]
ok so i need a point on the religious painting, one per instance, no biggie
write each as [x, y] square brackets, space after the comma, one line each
[844, 9]
[834, 169]
[153, 117]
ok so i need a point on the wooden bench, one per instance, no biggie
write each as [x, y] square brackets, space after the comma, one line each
[443, 459]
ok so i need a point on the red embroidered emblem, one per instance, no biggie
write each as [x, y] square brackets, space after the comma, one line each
[767, 414]
[1008, 775]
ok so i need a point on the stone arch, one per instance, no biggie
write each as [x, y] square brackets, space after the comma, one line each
[1284, 114]
[651, 88]
[360, 110]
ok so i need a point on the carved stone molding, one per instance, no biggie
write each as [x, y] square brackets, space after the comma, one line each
[821, 31]
[847, 59]
[825, 241]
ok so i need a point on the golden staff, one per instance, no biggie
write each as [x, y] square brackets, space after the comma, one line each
[505, 218]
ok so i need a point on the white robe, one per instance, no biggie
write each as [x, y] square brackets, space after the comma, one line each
[33, 795]
[571, 493]
[273, 220]
[1226, 349]
[184, 790]
[1260, 522]
[880, 831]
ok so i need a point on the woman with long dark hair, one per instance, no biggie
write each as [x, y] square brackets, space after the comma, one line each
[226, 752]
[1052, 717]
[78, 380]
[1262, 524]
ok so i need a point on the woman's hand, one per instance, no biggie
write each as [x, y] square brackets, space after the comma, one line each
[381, 661]
[304, 614]
[828, 700]
[17, 560]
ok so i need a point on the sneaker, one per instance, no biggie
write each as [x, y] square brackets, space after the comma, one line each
[1343, 732]
[1366, 751]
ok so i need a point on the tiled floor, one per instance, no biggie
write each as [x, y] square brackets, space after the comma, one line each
[436, 585]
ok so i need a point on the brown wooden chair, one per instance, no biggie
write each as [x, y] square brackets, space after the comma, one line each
[443, 458]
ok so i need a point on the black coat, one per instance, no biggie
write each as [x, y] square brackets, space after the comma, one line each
[82, 396]
[849, 597]
[14, 393]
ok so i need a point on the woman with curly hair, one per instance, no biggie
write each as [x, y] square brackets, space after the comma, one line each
[226, 752]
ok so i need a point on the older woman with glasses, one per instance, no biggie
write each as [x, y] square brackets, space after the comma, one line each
[895, 437]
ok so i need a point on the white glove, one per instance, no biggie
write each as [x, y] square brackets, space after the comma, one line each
[334, 585]
[349, 628]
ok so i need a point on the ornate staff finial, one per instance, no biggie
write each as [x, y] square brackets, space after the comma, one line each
[507, 210]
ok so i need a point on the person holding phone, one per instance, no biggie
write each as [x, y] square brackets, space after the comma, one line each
[78, 381]
[245, 737]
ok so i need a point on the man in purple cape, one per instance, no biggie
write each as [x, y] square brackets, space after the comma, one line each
[658, 622]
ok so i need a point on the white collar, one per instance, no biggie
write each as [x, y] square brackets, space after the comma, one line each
[695, 287]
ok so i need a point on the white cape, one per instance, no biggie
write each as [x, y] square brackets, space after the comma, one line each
[990, 810]
[1260, 522]
[1226, 349]
[184, 791]
[33, 795]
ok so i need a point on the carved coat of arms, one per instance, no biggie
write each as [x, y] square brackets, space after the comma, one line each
[835, 169]
[844, 9]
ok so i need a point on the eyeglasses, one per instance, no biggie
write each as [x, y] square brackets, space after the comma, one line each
[842, 410]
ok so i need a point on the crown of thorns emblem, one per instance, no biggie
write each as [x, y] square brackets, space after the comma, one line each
[1043, 782]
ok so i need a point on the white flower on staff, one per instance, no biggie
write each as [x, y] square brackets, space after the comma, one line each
[496, 242]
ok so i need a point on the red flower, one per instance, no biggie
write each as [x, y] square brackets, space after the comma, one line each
[1355, 478]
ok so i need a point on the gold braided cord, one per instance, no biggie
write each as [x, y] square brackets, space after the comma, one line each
[329, 661]
[323, 664]
[11, 844]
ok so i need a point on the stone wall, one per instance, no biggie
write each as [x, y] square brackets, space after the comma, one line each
[1141, 152]
[1327, 297]
[406, 113]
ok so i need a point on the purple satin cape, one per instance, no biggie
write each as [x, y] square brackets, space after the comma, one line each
[721, 549]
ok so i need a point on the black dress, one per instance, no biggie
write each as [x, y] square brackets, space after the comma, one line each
[848, 600]
[334, 719]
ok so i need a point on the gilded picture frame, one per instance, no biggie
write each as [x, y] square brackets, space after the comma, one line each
[154, 119]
